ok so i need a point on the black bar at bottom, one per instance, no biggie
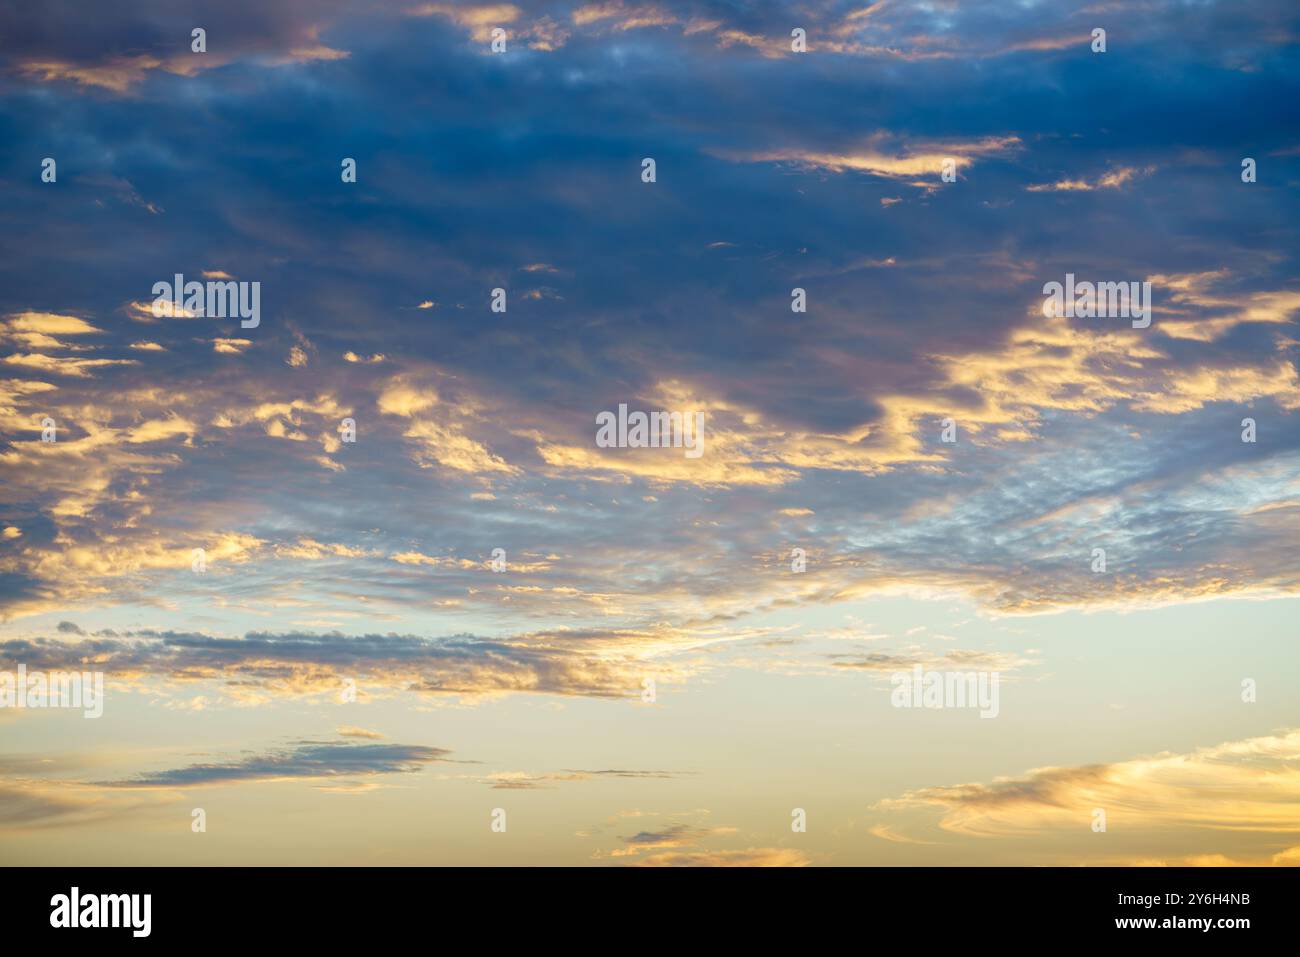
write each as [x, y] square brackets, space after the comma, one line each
[330, 906]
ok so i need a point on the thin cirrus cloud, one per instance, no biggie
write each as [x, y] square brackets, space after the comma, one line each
[304, 760]
[523, 781]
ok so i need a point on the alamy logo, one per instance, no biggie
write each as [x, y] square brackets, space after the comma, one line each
[946, 689]
[103, 910]
[215, 299]
[58, 689]
[653, 430]
[1102, 300]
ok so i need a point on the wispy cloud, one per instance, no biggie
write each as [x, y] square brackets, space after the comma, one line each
[1237, 787]
[303, 760]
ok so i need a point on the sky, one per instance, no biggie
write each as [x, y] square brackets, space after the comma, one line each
[364, 586]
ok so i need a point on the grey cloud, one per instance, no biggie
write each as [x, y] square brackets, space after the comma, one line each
[305, 759]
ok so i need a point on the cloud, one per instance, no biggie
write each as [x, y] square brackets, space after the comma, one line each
[523, 781]
[136, 44]
[747, 857]
[350, 731]
[922, 159]
[328, 560]
[402, 397]
[887, 833]
[1204, 308]
[953, 659]
[59, 365]
[38, 330]
[231, 346]
[27, 805]
[542, 33]
[117, 74]
[305, 760]
[439, 430]
[316, 664]
[1113, 179]
[31, 804]
[678, 843]
[675, 835]
[1241, 787]
[477, 429]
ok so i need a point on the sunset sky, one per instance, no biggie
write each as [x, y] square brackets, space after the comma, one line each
[330, 565]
